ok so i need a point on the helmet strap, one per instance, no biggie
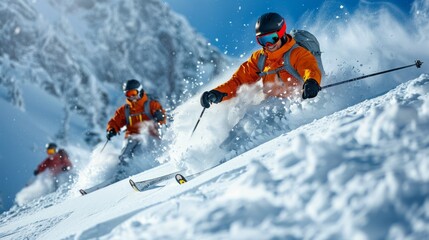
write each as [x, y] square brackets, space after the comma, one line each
[283, 40]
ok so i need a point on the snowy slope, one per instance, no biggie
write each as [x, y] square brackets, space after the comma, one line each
[360, 173]
[357, 173]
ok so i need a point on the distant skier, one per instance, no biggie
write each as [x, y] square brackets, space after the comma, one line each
[284, 67]
[50, 175]
[140, 115]
[56, 163]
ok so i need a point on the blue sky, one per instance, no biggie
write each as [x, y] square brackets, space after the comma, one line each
[229, 25]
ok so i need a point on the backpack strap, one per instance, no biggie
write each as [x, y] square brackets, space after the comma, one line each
[286, 65]
[127, 114]
[261, 64]
[146, 107]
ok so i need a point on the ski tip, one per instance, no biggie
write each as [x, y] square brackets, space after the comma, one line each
[180, 179]
[82, 192]
[133, 185]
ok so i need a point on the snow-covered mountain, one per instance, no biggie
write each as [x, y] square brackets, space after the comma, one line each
[80, 53]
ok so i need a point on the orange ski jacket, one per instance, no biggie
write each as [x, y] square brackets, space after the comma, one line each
[280, 84]
[137, 117]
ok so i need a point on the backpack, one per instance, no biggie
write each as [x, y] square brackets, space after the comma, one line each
[304, 39]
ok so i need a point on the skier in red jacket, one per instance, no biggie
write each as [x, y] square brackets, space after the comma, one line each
[57, 162]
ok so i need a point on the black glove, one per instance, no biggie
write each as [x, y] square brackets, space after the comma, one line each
[158, 116]
[311, 88]
[36, 172]
[110, 134]
[213, 96]
[65, 169]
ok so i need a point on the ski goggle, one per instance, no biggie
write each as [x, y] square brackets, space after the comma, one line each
[272, 37]
[131, 93]
[50, 151]
[268, 39]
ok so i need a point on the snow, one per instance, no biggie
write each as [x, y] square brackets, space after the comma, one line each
[345, 176]
[352, 164]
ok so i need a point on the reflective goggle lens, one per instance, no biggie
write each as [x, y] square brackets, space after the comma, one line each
[50, 150]
[131, 93]
[269, 38]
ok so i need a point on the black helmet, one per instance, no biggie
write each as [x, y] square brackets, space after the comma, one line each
[270, 22]
[51, 146]
[133, 84]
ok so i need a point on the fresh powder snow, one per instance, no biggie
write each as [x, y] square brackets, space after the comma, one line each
[351, 163]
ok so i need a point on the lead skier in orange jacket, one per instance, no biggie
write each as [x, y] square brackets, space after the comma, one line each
[271, 35]
[284, 68]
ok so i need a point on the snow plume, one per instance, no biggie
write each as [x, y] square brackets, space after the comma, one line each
[100, 167]
[420, 12]
[41, 185]
[201, 150]
[374, 38]
[103, 163]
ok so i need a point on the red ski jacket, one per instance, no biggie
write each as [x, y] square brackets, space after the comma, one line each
[56, 163]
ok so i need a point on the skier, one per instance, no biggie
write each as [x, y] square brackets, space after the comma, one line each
[57, 162]
[281, 77]
[140, 114]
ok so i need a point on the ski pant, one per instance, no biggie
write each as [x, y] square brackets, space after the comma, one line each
[132, 147]
[136, 148]
[259, 124]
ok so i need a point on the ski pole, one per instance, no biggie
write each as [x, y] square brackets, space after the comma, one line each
[104, 146]
[198, 121]
[417, 63]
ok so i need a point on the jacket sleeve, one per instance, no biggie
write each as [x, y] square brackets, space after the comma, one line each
[42, 166]
[65, 161]
[247, 73]
[306, 64]
[155, 106]
[118, 120]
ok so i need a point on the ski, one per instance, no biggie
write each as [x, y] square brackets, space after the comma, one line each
[180, 179]
[141, 186]
[97, 187]
[133, 185]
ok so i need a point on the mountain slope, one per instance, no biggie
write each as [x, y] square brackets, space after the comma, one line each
[79, 53]
[86, 50]
[358, 173]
